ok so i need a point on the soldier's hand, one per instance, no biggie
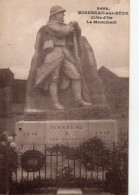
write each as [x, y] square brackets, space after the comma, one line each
[77, 27]
[72, 29]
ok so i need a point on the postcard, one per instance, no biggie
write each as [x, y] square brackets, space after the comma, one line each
[64, 96]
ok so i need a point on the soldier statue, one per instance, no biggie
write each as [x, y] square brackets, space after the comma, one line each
[53, 65]
[59, 58]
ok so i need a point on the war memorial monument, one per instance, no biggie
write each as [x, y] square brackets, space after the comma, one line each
[65, 101]
[65, 98]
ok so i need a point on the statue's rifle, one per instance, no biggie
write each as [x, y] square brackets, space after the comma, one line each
[79, 68]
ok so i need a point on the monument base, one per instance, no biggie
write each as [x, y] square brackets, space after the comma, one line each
[101, 111]
[65, 132]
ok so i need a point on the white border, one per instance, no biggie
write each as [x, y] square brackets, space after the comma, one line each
[134, 99]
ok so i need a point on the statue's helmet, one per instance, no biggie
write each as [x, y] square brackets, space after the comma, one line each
[56, 9]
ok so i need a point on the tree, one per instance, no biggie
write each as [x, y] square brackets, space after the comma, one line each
[94, 154]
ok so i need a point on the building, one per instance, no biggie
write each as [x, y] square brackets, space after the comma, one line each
[116, 89]
[6, 85]
[19, 91]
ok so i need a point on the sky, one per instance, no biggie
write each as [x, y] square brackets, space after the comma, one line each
[21, 19]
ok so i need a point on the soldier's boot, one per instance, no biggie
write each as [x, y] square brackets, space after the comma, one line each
[53, 94]
[76, 87]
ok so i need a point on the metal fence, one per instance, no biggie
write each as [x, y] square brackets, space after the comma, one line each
[86, 165]
[91, 164]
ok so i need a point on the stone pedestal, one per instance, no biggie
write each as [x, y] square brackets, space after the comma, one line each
[69, 132]
[101, 111]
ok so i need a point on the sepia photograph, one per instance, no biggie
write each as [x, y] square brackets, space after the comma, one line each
[64, 97]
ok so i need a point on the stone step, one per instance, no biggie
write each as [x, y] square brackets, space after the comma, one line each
[69, 191]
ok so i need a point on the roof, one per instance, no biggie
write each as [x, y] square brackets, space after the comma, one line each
[113, 84]
[6, 71]
[6, 77]
[104, 72]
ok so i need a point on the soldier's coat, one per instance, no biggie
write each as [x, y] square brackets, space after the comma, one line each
[36, 97]
[59, 57]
